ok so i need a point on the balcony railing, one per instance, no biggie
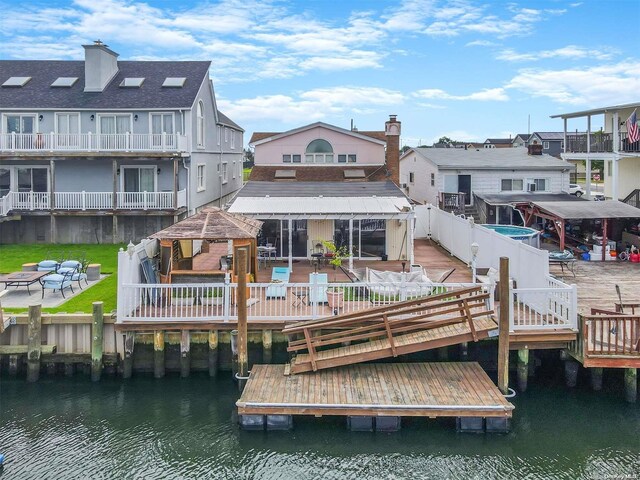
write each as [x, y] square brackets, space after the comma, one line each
[30, 201]
[451, 202]
[599, 143]
[92, 142]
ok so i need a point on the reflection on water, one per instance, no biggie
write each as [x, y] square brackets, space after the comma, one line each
[184, 428]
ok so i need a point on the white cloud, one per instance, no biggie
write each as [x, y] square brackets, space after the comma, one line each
[593, 86]
[568, 52]
[488, 94]
[482, 43]
[310, 106]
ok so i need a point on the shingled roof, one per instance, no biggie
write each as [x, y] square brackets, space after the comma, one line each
[377, 135]
[39, 94]
[211, 223]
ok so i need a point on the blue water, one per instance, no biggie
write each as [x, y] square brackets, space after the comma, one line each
[512, 230]
[69, 428]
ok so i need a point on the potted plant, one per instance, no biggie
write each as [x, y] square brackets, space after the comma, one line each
[212, 296]
[182, 297]
[335, 255]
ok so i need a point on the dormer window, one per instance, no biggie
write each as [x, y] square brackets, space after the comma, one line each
[16, 81]
[62, 82]
[319, 151]
[132, 82]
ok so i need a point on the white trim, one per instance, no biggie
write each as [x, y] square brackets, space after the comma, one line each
[55, 121]
[13, 175]
[36, 122]
[106, 114]
[155, 175]
[224, 173]
[173, 121]
[200, 132]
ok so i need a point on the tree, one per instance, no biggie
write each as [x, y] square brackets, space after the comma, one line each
[446, 141]
[248, 159]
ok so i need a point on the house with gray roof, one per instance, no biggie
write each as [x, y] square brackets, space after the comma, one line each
[454, 177]
[521, 140]
[103, 150]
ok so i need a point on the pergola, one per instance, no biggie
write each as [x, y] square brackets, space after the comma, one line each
[561, 212]
[211, 224]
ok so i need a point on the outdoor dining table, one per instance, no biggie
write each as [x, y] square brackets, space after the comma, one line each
[22, 279]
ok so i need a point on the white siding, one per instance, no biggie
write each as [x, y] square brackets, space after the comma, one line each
[420, 190]
[396, 239]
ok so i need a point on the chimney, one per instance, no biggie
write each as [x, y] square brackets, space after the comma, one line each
[534, 149]
[392, 132]
[100, 66]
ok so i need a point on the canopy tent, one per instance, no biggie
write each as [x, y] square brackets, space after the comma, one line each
[211, 224]
[561, 212]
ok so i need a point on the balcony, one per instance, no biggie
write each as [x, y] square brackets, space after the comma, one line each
[599, 142]
[87, 201]
[42, 143]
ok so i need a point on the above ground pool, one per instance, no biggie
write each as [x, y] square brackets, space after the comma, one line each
[525, 234]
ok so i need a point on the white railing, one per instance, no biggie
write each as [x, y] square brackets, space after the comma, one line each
[91, 201]
[265, 301]
[84, 200]
[555, 306]
[144, 200]
[70, 142]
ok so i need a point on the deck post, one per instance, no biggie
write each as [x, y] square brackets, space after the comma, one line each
[129, 344]
[443, 354]
[503, 338]
[571, 368]
[13, 365]
[34, 342]
[213, 353]
[523, 369]
[243, 359]
[158, 354]
[97, 335]
[185, 353]
[596, 378]
[267, 344]
[631, 385]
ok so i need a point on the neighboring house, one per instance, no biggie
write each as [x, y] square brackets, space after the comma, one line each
[322, 182]
[439, 176]
[521, 140]
[610, 144]
[103, 150]
[497, 143]
[552, 142]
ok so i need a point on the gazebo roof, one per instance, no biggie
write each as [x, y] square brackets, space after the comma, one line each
[211, 223]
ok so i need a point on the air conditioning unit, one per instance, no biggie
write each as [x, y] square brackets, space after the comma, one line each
[531, 187]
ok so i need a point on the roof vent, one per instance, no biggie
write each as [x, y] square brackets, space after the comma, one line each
[355, 173]
[174, 82]
[132, 82]
[285, 174]
[16, 82]
[65, 82]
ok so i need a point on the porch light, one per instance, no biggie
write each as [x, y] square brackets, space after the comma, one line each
[135, 117]
[40, 117]
[92, 117]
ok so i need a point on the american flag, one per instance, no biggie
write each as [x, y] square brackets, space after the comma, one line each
[633, 132]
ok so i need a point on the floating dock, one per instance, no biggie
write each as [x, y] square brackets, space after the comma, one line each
[454, 389]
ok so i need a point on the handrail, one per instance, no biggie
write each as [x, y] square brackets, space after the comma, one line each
[611, 334]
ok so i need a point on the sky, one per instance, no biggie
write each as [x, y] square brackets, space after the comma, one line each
[465, 69]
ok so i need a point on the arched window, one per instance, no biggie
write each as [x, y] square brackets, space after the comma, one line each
[319, 151]
[200, 124]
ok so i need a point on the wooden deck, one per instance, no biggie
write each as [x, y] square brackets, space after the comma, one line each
[456, 389]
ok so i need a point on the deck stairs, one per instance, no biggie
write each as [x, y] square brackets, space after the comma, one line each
[415, 325]
[472, 211]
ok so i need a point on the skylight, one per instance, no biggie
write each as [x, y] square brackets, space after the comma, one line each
[132, 82]
[16, 82]
[65, 82]
[285, 174]
[355, 173]
[176, 82]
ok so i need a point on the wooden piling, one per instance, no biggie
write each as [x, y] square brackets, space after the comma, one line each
[267, 345]
[523, 369]
[13, 365]
[97, 335]
[243, 358]
[213, 353]
[158, 353]
[503, 338]
[443, 354]
[631, 385]
[34, 342]
[185, 354]
[69, 369]
[596, 378]
[571, 368]
[129, 344]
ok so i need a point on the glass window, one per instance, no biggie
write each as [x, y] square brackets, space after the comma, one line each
[296, 158]
[138, 179]
[352, 158]
[319, 151]
[433, 179]
[200, 125]
[342, 159]
[511, 184]
[201, 177]
[233, 139]
[224, 173]
[67, 129]
[545, 145]
[286, 158]
[5, 181]
[411, 177]
[32, 180]
[162, 123]
[372, 238]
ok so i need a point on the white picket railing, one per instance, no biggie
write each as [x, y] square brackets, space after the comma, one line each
[544, 308]
[96, 142]
[91, 201]
[265, 301]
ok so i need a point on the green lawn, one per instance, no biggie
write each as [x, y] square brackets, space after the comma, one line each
[13, 256]
[245, 174]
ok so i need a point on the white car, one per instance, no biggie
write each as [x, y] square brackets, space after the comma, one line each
[575, 189]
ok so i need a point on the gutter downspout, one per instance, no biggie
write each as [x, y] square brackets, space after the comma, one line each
[188, 169]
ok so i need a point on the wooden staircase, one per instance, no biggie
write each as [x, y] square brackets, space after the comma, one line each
[415, 325]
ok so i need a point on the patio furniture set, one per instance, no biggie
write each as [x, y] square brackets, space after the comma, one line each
[52, 275]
